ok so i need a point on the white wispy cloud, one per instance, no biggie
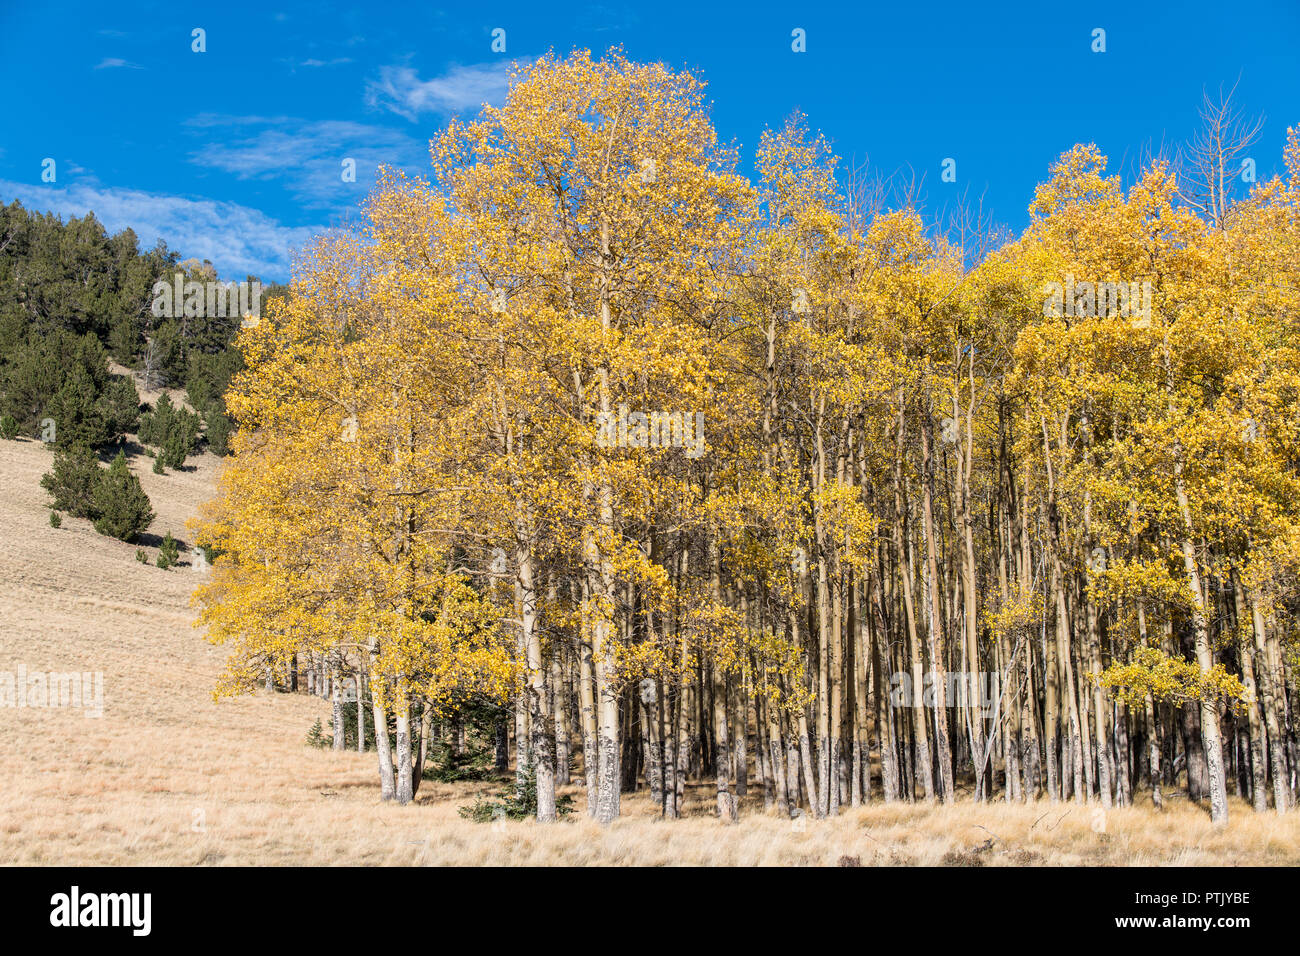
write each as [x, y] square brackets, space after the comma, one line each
[203, 120]
[237, 239]
[400, 90]
[114, 63]
[306, 156]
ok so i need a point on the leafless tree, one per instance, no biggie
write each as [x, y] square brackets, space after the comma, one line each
[1212, 161]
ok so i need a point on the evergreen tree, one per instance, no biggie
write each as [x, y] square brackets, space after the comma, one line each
[168, 553]
[174, 431]
[78, 415]
[65, 377]
[154, 424]
[172, 454]
[74, 481]
[219, 427]
[123, 507]
[120, 406]
[124, 341]
[71, 296]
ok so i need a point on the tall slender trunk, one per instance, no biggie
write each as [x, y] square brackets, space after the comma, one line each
[1258, 745]
[1051, 714]
[740, 734]
[336, 708]
[383, 747]
[687, 732]
[422, 746]
[966, 452]
[886, 732]
[726, 801]
[587, 702]
[405, 768]
[935, 630]
[1101, 745]
[792, 764]
[361, 713]
[1211, 738]
[904, 562]
[1270, 686]
[601, 575]
[560, 710]
[540, 743]
[776, 759]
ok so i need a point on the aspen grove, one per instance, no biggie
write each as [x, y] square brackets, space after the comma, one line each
[943, 538]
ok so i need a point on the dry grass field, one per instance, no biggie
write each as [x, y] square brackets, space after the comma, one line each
[167, 776]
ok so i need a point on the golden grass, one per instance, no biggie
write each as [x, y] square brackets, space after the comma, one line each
[168, 777]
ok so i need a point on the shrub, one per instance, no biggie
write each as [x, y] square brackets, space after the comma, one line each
[56, 520]
[168, 553]
[158, 466]
[74, 480]
[141, 556]
[446, 766]
[8, 426]
[316, 736]
[515, 803]
[123, 507]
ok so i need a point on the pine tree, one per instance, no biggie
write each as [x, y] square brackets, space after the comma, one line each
[168, 553]
[218, 428]
[122, 508]
[120, 407]
[74, 481]
[172, 454]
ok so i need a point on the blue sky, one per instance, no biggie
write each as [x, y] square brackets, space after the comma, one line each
[234, 154]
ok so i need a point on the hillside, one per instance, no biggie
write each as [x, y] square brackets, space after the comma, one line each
[124, 788]
[167, 776]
